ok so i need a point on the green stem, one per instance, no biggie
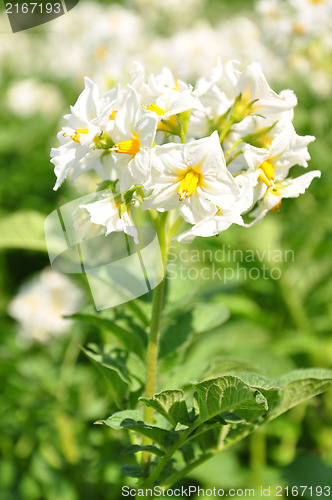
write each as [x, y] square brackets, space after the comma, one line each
[183, 473]
[231, 149]
[225, 130]
[154, 334]
[69, 359]
[164, 461]
[175, 226]
[229, 160]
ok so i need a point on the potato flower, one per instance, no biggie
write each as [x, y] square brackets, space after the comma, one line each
[209, 153]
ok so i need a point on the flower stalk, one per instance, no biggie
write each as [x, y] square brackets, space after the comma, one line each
[154, 334]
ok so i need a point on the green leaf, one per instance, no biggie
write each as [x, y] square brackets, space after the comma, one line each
[124, 370]
[131, 364]
[260, 382]
[24, 229]
[130, 339]
[179, 293]
[131, 419]
[135, 448]
[171, 405]
[137, 310]
[128, 195]
[200, 319]
[301, 385]
[114, 373]
[257, 138]
[107, 185]
[228, 366]
[241, 305]
[268, 388]
[224, 394]
[231, 418]
[208, 316]
[184, 119]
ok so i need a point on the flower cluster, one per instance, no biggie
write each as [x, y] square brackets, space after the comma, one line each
[210, 153]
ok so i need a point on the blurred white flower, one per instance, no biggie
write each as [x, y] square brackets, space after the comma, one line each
[41, 303]
[299, 32]
[28, 97]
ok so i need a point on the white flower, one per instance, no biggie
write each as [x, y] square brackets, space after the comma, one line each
[105, 212]
[251, 84]
[248, 92]
[80, 136]
[166, 96]
[286, 149]
[214, 99]
[133, 134]
[288, 188]
[156, 85]
[42, 302]
[191, 177]
[225, 217]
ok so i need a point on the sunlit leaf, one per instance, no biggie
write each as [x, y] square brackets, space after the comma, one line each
[23, 229]
[171, 405]
[131, 419]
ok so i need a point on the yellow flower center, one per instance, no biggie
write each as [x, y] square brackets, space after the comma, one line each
[75, 137]
[317, 1]
[266, 173]
[176, 85]
[188, 184]
[156, 109]
[130, 147]
[112, 115]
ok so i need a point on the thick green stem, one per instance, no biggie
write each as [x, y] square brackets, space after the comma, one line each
[154, 334]
[152, 350]
[157, 300]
